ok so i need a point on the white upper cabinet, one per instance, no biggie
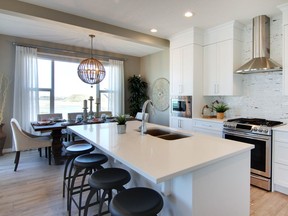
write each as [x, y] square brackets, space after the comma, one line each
[182, 70]
[221, 59]
[285, 59]
[186, 67]
[284, 9]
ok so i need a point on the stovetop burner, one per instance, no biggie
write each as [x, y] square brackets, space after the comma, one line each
[256, 121]
[251, 125]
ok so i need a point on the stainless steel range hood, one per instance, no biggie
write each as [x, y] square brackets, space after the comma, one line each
[261, 61]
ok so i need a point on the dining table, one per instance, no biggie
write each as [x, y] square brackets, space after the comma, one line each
[56, 127]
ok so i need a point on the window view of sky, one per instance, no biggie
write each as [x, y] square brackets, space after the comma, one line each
[70, 90]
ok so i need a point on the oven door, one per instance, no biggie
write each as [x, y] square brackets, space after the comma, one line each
[260, 155]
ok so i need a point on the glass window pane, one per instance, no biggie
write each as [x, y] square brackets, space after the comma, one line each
[70, 91]
[104, 101]
[44, 73]
[44, 102]
[104, 85]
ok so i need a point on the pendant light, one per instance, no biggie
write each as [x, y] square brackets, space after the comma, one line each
[91, 71]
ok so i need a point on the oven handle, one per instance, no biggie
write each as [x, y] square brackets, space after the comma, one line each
[247, 135]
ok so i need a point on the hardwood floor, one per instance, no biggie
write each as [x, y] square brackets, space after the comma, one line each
[36, 189]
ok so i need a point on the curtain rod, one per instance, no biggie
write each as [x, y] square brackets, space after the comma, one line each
[102, 57]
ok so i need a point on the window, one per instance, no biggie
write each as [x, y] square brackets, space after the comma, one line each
[62, 91]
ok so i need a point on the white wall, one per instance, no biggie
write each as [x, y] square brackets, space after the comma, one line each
[262, 93]
[153, 67]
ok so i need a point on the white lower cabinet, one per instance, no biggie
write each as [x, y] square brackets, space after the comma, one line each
[280, 161]
[181, 123]
[209, 127]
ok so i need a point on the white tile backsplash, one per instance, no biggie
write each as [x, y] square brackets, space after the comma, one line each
[262, 92]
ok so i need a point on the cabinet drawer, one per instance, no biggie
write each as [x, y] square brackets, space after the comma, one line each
[280, 136]
[281, 175]
[208, 125]
[281, 152]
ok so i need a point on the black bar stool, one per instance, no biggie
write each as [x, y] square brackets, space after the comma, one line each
[106, 180]
[138, 201]
[72, 152]
[88, 163]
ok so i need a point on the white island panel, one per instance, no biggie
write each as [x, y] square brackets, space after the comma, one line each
[204, 175]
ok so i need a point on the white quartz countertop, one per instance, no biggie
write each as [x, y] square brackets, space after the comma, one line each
[283, 128]
[157, 159]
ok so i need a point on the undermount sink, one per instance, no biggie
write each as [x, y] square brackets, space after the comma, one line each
[157, 132]
[165, 134]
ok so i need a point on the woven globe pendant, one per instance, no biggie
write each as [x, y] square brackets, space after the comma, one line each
[91, 71]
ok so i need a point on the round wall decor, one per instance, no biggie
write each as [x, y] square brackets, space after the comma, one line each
[160, 94]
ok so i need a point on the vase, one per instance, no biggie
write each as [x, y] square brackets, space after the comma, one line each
[121, 129]
[2, 139]
[220, 115]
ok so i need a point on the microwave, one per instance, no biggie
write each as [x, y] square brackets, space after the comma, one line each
[181, 106]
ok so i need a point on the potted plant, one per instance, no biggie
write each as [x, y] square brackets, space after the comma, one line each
[121, 126]
[4, 83]
[220, 109]
[138, 94]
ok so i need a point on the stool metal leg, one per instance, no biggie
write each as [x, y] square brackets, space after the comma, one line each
[68, 161]
[69, 181]
[71, 189]
[90, 195]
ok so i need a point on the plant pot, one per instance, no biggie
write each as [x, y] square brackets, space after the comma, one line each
[121, 129]
[2, 139]
[220, 115]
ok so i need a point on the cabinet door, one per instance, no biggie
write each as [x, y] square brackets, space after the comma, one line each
[225, 67]
[281, 152]
[208, 127]
[218, 69]
[182, 70]
[181, 123]
[280, 161]
[187, 70]
[210, 79]
[176, 71]
[285, 60]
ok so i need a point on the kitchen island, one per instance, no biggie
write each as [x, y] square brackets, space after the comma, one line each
[198, 175]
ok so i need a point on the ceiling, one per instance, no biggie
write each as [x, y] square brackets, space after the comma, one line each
[137, 15]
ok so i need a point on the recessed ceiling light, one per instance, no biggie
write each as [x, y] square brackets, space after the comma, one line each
[153, 30]
[188, 14]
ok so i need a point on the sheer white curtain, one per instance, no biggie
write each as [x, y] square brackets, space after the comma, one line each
[26, 96]
[116, 83]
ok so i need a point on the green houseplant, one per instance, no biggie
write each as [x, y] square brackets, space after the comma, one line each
[121, 120]
[121, 126]
[138, 94]
[220, 108]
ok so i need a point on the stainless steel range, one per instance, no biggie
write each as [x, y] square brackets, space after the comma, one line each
[259, 133]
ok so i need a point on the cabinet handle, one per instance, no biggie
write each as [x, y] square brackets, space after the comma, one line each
[179, 124]
[215, 91]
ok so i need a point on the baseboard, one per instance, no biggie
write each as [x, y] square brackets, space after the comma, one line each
[7, 150]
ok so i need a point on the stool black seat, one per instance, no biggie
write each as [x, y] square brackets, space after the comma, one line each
[106, 180]
[77, 149]
[138, 201]
[87, 162]
[72, 152]
[92, 160]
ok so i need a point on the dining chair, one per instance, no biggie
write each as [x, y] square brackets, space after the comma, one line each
[72, 116]
[107, 113]
[25, 141]
[49, 116]
[52, 116]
